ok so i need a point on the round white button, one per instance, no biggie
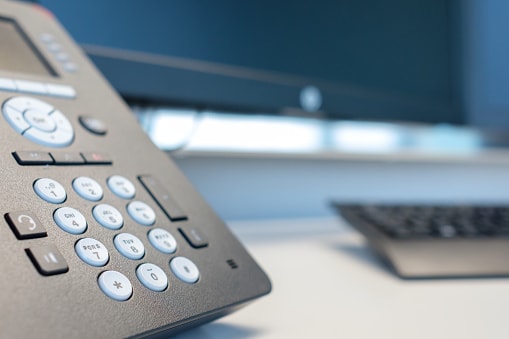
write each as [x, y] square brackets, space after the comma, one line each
[152, 277]
[88, 188]
[129, 246]
[22, 103]
[121, 186]
[15, 119]
[141, 213]
[92, 251]
[70, 220]
[185, 270]
[162, 240]
[108, 216]
[50, 190]
[40, 120]
[115, 285]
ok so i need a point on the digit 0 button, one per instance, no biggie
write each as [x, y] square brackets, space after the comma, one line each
[115, 285]
[152, 277]
[141, 213]
[129, 246]
[92, 251]
[50, 190]
[185, 270]
[70, 220]
[88, 188]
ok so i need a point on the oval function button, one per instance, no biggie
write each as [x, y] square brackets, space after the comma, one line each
[92, 251]
[152, 277]
[121, 186]
[129, 246]
[162, 240]
[93, 125]
[108, 216]
[141, 213]
[185, 270]
[40, 120]
[50, 190]
[115, 285]
[70, 220]
[88, 188]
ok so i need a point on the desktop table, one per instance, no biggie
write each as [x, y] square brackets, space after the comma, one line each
[328, 284]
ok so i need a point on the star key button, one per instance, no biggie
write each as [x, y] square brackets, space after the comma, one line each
[115, 285]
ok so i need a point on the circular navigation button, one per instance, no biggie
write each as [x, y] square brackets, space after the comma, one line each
[162, 240]
[70, 220]
[88, 188]
[152, 277]
[129, 246]
[141, 213]
[50, 190]
[92, 251]
[115, 285]
[40, 120]
[108, 216]
[121, 186]
[185, 270]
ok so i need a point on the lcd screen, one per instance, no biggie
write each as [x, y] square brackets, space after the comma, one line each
[17, 54]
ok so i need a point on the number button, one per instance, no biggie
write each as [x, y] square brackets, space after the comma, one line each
[162, 240]
[129, 246]
[70, 220]
[185, 270]
[50, 190]
[108, 216]
[92, 251]
[115, 285]
[152, 277]
[88, 188]
[121, 186]
[141, 213]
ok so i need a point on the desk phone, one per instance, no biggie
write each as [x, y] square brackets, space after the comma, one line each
[102, 236]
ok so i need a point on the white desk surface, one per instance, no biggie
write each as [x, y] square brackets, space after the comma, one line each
[327, 284]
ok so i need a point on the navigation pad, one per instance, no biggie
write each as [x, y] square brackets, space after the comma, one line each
[38, 121]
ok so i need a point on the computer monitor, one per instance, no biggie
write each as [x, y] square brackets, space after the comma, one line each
[392, 60]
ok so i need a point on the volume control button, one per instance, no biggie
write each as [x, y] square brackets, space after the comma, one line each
[162, 198]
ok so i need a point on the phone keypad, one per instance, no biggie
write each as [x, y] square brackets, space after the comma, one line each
[94, 252]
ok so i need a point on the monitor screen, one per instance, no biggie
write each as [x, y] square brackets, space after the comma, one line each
[364, 59]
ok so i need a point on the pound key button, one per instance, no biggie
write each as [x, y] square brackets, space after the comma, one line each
[25, 225]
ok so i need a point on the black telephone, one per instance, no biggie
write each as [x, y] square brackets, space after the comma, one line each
[102, 235]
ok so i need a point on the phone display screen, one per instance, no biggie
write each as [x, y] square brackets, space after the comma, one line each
[17, 53]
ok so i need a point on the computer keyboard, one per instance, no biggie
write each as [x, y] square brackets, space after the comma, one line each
[421, 241]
